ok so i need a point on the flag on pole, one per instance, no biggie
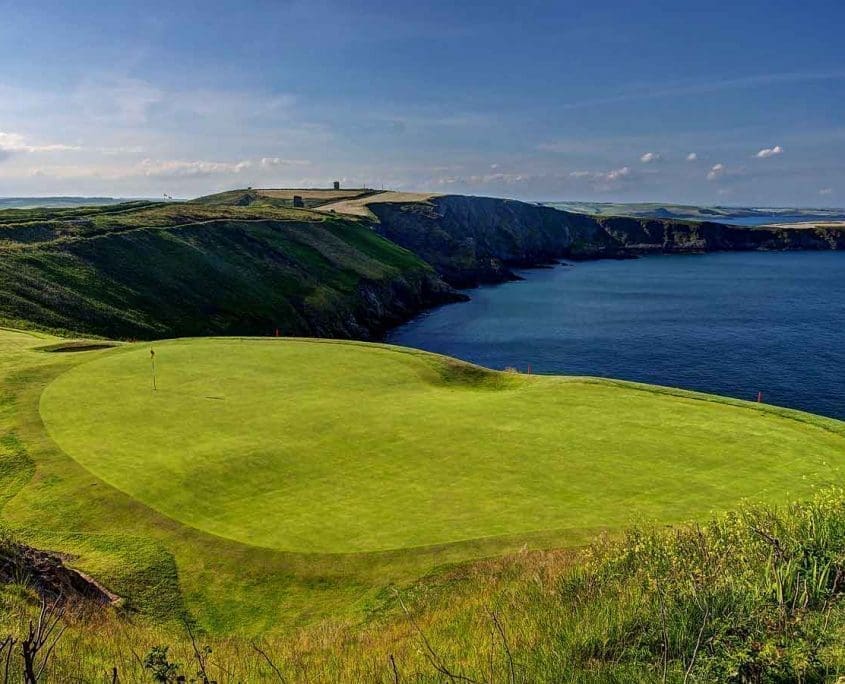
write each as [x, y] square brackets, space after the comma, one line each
[153, 362]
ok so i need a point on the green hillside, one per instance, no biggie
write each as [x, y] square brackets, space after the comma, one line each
[144, 270]
[282, 197]
[312, 492]
[698, 213]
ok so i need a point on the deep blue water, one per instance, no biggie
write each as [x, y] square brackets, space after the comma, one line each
[728, 323]
[774, 218]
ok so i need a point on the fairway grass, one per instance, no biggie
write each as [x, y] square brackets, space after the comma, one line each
[224, 510]
[323, 447]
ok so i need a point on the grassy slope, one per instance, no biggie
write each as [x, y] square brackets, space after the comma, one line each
[283, 197]
[686, 211]
[166, 568]
[339, 447]
[50, 501]
[145, 270]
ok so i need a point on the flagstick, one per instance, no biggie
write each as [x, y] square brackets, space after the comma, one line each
[153, 359]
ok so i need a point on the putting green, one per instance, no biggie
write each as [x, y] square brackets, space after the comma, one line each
[319, 446]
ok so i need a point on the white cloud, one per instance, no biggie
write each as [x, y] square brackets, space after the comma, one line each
[484, 179]
[692, 156]
[650, 157]
[715, 172]
[826, 191]
[183, 169]
[616, 174]
[769, 152]
[600, 181]
[118, 149]
[14, 142]
[200, 169]
[273, 162]
[602, 176]
[11, 141]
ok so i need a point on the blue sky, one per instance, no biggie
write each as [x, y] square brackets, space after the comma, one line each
[709, 102]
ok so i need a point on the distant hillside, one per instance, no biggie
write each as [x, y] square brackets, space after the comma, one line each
[55, 202]
[745, 215]
[311, 197]
[151, 270]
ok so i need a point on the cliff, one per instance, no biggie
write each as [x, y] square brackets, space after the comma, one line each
[474, 240]
[642, 235]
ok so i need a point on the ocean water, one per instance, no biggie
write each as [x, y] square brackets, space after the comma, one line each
[728, 323]
[775, 218]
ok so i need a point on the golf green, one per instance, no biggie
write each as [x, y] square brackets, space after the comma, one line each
[322, 446]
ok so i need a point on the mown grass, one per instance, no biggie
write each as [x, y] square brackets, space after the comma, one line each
[328, 447]
[53, 503]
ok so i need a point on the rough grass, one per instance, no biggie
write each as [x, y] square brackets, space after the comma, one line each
[750, 596]
[281, 197]
[34, 226]
[143, 271]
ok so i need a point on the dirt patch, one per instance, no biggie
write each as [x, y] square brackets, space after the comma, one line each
[47, 573]
[359, 207]
[79, 346]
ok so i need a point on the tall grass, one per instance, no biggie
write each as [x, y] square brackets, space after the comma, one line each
[751, 596]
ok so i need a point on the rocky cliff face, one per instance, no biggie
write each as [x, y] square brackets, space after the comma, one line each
[641, 235]
[474, 240]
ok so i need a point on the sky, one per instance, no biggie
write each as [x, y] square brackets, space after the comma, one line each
[709, 102]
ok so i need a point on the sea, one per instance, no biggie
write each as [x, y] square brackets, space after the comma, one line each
[740, 324]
